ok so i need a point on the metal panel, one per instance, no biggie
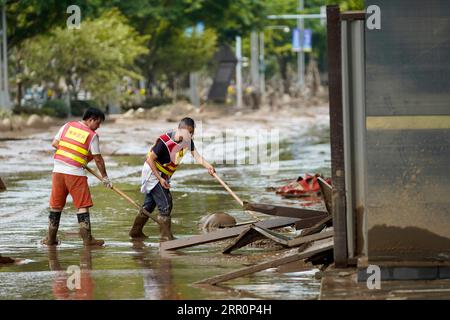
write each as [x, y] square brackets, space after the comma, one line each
[354, 132]
[347, 123]
[408, 131]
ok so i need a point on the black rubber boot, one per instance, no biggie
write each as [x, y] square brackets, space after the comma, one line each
[6, 260]
[139, 223]
[85, 230]
[53, 225]
[165, 228]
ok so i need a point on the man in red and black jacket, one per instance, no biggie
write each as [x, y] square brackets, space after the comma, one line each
[161, 163]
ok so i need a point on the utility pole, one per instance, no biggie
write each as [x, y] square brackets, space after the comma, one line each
[262, 79]
[254, 63]
[193, 84]
[300, 54]
[239, 72]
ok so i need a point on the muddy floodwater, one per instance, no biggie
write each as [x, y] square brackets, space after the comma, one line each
[126, 270]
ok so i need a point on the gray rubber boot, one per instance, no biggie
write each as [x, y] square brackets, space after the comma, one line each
[139, 223]
[85, 231]
[165, 228]
[53, 226]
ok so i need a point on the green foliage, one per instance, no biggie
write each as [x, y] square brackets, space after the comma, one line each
[182, 53]
[29, 18]
[346, 5]
[56, 108]
[95, 57]
[77, 107]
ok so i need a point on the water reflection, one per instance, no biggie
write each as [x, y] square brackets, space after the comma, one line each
[157, 273]
[60, 288]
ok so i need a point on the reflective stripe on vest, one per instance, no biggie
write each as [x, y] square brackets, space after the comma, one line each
[169, 168]
[73, 147]
[71, 156]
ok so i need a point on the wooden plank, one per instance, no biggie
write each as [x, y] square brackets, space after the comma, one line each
[247, 236]
[308, 222]
[268, 264]
[314, 237]
[250, 235]
[254, 233]
[223, 234]
[280, 211]
[326, 191]
[317, 227]
[337, 134]
[274, 236]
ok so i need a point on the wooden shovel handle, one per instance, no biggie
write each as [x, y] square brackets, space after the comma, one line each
[123, 195]
[241, 203]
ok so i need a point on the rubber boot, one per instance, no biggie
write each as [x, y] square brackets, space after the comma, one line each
[85, 231]
[6, 260]
[165, 228]
[139, 223]
[53, 225]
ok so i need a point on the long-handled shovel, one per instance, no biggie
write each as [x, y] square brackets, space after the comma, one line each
[123, 195]
[241, 203]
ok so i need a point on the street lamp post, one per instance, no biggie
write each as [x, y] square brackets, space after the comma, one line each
[239, 72]
[300, 23]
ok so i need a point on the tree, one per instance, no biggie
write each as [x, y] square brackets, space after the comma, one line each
[94, 58]
[346, 5]
[29, 18]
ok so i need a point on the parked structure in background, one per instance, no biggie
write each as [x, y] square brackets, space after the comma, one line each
[226, 63]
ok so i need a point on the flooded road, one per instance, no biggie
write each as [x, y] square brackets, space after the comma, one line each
[127, 270]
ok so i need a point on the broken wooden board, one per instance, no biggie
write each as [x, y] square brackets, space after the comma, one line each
[317, 227]
[249, 235]
[254, 233]
[292, 212]
[311, 251]
[223, 234]
[2, 185]
[326, 191]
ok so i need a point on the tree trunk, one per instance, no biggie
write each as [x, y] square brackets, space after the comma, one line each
[283, 65]
[19, 93]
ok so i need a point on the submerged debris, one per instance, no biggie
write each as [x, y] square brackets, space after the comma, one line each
[307, 185]
[215, 221]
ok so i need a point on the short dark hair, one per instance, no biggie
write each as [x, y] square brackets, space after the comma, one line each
[187, 122]
[93, 113]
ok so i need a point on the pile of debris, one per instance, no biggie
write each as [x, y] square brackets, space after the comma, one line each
[308, 185]
[313, 244]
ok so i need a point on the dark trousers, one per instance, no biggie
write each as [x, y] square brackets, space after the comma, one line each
[161, 197]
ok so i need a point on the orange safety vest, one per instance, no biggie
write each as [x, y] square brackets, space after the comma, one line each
[176, 152]
[73, 147]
